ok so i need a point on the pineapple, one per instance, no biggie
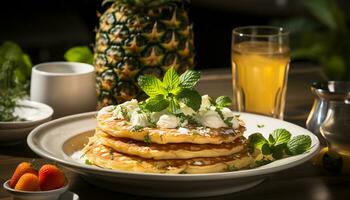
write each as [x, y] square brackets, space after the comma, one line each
[138, 37]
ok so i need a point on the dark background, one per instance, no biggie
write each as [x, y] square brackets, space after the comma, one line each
[45, 29]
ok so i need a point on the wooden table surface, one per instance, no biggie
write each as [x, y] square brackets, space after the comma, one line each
[298, 183]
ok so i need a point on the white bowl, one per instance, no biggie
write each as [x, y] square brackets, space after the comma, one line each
[32, 112]
[35, 195]
[59, 139]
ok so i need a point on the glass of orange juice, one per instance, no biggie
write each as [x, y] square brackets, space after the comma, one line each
[260, 63]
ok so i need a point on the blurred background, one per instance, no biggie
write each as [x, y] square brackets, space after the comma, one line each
[46, 29]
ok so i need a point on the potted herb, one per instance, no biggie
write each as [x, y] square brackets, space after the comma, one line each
[15, 70]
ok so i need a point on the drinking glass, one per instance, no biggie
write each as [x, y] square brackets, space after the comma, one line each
[260, 64]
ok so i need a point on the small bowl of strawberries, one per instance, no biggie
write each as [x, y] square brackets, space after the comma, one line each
[27, 183]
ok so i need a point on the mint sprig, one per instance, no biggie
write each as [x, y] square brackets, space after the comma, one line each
[280, 143]
[151, 85]
[223, 101]
[189, 79]
[298, 144]
[190, 97]
[173, 89]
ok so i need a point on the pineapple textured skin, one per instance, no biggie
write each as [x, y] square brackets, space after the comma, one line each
[133, 41]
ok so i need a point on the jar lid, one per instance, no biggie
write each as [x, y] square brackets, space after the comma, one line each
[332, 90]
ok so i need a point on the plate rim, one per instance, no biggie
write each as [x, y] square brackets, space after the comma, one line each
[75, 166]
[23, 124]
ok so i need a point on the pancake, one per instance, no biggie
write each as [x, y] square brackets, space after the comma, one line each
[197, 135]
[171, 150]
[106, 157]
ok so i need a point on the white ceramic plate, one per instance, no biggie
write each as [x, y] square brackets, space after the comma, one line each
[59, 139]
[32, 112]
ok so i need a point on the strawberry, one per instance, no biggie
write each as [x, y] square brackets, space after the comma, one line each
[28, 182]
[22, 168]
[51, 177]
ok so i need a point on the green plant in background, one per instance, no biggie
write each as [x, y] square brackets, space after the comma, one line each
[15, 71]
[324, 39]
[81, 54]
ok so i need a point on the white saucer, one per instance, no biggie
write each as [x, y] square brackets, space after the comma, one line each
[33, 113]
[69, 196]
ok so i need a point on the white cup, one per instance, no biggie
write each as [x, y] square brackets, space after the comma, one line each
[67, 87]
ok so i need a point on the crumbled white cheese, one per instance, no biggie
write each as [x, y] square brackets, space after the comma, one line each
[183, 130]
[210, 118]
[139, 119]
[227, 113]
[125, 108]
[186, 110]
[105, 110]
[206, 102]
[168, 121]
[197, 163]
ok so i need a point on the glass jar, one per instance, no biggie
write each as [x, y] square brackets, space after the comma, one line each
[336, 125]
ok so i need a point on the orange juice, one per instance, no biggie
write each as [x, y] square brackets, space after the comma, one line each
[260, 72]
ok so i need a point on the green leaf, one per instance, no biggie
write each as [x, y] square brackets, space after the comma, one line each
[28, 63]
[147, 139]
[279, 136]
[87, 162]
[299, 144]
[334, 67]
[11, 51]
[327, 12]
[171, 80]
[265, 149]
[278, 151]
[191, 98]
[156, 103]
[151, 85]
[189, 79]
[81, 54]
[223, 101]
[257, 140]
[174, 106]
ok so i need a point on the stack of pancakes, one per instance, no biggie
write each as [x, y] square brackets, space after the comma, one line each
[117, 145]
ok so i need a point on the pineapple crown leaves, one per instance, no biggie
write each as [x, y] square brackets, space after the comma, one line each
[171, 91]
[143, 3]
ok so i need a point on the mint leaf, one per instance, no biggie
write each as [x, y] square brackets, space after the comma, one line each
[191, 98]
[257, 140]
[87, 162]
[147, 139]
[136, 128]
[174, 106]
[81, 54]
[156, 103]
[223, 101]
[228, 121]
[265, 149]
[279, 136]
[189, 79]
[299, 144]
[171, 79]
[151, 85]
[231, 168]
[260, 125]
[262, 162]
[278, 151]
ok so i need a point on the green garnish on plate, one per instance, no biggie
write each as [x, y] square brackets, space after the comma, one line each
[172, 90]
[280, 143]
